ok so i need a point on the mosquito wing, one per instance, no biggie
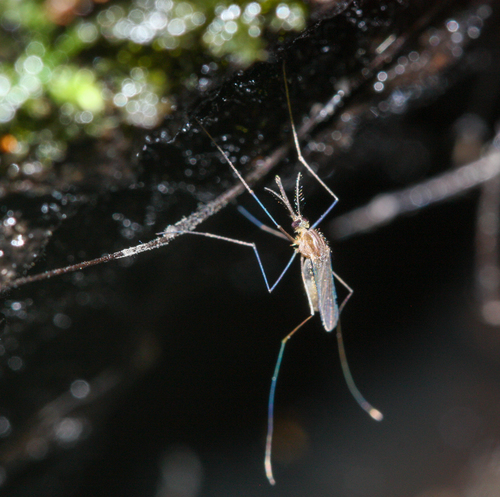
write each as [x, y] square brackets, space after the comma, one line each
[325, 290]
[309, 284]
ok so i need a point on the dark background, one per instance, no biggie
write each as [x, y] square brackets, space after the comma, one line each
[179, 344]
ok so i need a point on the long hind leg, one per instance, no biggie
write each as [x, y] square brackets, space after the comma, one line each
[363, 403]
[270, 407]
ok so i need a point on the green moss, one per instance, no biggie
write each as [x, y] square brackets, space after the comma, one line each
[77, 87]
[71, 74]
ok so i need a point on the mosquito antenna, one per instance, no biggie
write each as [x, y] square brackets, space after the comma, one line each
[298, 195]
[270, 408]
[296, 140]
[363, 403]
[283, 197]
[277, 195]
[283, 193]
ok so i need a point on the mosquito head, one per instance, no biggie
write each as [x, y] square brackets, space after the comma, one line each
[300, 223]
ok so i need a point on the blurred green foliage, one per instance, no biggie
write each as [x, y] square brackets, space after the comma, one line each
[83, 68]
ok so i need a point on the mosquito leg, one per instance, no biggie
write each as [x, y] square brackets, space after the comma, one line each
[239, 242]
[259, 224]
[240, 177]
[270, 407]
[325, 213]
[299, 153]
[304, 162]
[348, 288]
[363, 403]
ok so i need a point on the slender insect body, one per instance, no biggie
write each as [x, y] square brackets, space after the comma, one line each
[317, 276]
[316, 261]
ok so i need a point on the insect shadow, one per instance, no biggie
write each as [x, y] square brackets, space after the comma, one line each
[317, 273]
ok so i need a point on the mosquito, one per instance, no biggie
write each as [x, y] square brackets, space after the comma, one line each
[317, 274]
